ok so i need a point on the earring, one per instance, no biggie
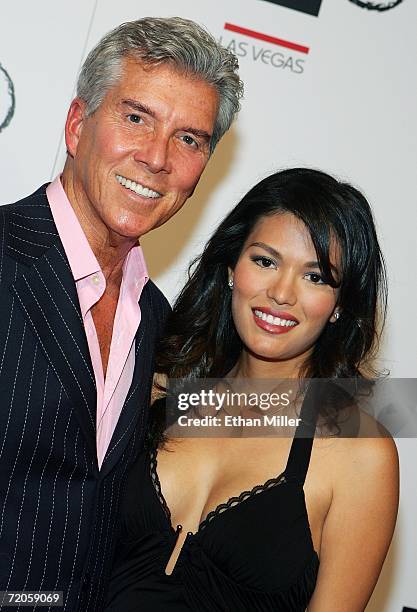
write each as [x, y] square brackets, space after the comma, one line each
[230, 283]
[336, 315]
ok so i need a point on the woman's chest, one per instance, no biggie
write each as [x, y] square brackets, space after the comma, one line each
[201, 479]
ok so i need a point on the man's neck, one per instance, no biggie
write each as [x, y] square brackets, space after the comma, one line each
[109, 248]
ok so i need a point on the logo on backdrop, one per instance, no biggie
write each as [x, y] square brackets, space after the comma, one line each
[265, 49]
[376, 6]
[311, 7]
[7, 98]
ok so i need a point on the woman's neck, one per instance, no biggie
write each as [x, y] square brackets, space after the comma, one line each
[253, 366]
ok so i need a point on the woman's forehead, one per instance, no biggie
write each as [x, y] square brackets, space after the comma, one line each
[289, 236]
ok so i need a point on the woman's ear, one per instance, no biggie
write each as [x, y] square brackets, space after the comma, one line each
[335, 316]
[230, 275]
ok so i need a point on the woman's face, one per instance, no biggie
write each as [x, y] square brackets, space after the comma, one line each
[280, 304]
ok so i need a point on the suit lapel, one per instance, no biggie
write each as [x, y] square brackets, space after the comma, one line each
[46, 292]
[135, 409]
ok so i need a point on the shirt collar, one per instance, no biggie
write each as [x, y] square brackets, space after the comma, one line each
[80, 256]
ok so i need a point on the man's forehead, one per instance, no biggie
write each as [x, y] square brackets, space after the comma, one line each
[161, 87]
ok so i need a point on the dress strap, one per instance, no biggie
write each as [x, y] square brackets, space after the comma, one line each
[300, 452]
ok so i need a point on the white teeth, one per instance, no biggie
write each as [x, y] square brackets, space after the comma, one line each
[274, 320]
[137, 187]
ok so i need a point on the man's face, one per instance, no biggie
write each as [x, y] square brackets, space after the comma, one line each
[139, 156]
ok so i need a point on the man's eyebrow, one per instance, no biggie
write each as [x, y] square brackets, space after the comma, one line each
[138, 106]
[198, 133]
[274, 253]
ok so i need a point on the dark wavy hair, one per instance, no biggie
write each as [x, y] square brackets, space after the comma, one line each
[200, 338]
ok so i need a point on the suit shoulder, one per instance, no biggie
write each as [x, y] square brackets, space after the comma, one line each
[36, 200]
[35, 208]
[160, 305]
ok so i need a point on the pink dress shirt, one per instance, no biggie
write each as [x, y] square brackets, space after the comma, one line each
[91, 284]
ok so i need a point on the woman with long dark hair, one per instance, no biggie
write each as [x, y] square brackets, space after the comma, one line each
[290, 286]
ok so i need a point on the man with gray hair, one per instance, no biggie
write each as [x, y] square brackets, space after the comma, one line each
[79, 316]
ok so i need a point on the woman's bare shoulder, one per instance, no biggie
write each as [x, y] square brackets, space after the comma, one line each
[371, 447]
[363, 476]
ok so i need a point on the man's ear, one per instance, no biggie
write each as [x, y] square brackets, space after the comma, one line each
[74, 125]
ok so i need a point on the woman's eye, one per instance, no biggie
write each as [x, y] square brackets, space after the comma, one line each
[315, 278]
[264, 262]
[134, 118]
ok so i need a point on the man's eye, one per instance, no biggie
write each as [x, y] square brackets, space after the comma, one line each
[189, 140]
[263, 262]
[134, 118]
[315, 278]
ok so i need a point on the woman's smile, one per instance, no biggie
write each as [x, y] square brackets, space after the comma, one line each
[273, 322]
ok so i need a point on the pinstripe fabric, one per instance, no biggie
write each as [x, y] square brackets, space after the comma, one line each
[58, 513]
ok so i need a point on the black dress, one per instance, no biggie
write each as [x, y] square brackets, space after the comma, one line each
[253, 553]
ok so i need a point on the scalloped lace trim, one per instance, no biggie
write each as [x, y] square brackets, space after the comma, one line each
[157, 484]
[238, 499]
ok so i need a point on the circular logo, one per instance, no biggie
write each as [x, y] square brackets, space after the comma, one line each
[7, 98]
[375, 5]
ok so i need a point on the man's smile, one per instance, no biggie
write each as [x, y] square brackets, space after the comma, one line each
[141, 190]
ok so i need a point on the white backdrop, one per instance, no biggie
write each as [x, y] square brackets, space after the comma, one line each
[347, 107]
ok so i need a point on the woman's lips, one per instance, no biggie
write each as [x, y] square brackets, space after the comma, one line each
[273, 324]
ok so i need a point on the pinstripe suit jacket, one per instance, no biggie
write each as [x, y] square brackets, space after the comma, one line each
[58, 512]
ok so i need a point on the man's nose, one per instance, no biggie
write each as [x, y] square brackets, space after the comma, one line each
[154, 153]
[282, 289]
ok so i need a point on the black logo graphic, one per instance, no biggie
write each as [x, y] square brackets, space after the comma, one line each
[376, 6]
[311, 7]
[7, 98]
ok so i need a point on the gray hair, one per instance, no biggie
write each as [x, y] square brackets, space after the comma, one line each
[184, 44]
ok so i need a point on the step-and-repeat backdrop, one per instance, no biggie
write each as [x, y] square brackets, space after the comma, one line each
[328, 84]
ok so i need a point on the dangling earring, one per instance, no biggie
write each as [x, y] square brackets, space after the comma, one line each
[336, 316]
[230, 283]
